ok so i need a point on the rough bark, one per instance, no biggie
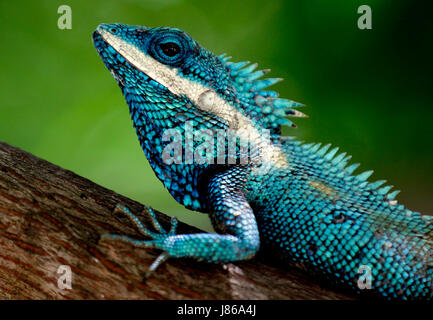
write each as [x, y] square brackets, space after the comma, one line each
[51, 217]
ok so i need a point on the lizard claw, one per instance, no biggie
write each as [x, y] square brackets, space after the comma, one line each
[157, 237]
[155, 223]
[157, 262]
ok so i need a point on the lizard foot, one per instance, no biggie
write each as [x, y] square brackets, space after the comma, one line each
[158, 238]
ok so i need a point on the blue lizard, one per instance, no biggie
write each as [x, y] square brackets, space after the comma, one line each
[212, 134]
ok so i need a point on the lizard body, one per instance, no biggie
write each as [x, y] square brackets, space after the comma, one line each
[212, 134]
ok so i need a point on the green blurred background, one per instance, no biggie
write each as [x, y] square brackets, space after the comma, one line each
[367, 91]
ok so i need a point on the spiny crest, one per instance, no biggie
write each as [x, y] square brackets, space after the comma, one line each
[262, 105]
[342, 170]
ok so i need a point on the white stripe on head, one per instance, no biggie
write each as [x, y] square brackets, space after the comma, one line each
[203, 97]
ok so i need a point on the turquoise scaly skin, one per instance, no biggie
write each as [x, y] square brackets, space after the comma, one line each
[300, 202]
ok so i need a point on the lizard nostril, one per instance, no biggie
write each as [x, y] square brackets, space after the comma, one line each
[113, 30]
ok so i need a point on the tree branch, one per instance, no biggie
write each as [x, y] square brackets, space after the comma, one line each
[51, 217]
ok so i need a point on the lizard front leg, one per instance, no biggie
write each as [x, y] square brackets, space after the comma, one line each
[231, 215]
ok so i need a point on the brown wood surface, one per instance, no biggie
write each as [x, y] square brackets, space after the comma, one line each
[51, 217]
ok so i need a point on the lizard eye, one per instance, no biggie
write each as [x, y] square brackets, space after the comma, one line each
[170, 48]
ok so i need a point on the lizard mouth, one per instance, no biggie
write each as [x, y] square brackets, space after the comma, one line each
[118, 63]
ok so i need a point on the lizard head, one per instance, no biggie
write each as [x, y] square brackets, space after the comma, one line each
[164, 62]
[168, 65]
